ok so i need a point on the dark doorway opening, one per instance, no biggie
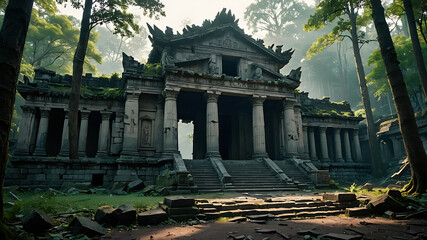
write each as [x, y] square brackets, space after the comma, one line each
[54, 131]
[225, 137]
[230, 66]
[97, 179]
[94, 123]
[191, 108]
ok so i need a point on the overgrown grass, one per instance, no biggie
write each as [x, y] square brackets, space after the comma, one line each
[359, 191]
[53, 203]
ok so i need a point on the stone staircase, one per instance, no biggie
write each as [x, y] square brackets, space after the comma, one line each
[253, 175]
[204, 175]
[294, 173]
[278, 208]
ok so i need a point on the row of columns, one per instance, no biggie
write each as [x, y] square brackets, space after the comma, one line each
[338, 140]
[170, 125]
[28, 125]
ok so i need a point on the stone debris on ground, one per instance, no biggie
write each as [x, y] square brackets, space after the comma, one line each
[135, 186]
[339, 236]
[83, 225]
[37, 222]
[368, 186]
[358, 212]
[152, 217]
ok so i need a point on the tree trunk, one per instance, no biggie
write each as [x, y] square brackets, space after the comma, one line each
[408, 125]
[416, 46]
[12, 41]
[374, 145]
[78, 62]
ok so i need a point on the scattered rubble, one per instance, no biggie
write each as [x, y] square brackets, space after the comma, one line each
[83, 225]
[37, 222]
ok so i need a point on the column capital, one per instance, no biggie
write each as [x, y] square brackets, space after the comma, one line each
[66, 113]
[84, 114]
[322, 129]
[337, 130]
[44, 112]
[288, 103]
[258, 100]
[132, 95]
[26, 108]
[304, 127]
[356, 131]
[171, 93]
[212, 96]
[105, 115]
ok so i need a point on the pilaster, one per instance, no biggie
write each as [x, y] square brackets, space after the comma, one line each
[25, 131]
[130, 138]
[84, 116]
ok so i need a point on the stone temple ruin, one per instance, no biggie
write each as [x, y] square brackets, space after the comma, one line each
[252, 128]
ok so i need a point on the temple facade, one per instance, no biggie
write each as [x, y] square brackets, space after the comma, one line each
[245, 113]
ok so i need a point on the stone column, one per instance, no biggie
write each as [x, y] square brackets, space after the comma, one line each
[305, 138]
[291, 138]
[258, 127]
[299, 131]
[212, 124]
[130, 136]
[347, 149]
[312, 144]
[337, 147]
[84, 122]
[104, 135]
[159, 125]
[65, 144]
[42, 133]
[170, 128]
[323, 144]
[25, 131]
[356, 146]
[282, 135]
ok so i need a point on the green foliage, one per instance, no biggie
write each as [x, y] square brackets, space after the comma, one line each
[277, 17]
[51, 42]
[153, 69]
[335, 13]
[90, 92]
[377, 78]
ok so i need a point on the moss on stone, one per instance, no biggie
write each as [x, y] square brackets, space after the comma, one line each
[153, 69]
[89, 92]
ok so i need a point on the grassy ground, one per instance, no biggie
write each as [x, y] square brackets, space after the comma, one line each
[53, 202]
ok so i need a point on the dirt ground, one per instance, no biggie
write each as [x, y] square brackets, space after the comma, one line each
[371, 228]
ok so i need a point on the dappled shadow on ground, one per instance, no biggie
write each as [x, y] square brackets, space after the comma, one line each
[372, 228]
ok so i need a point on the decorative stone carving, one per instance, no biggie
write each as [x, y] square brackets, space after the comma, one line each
[258, 73]
[212, 67]
[295, 74]
[131, 65]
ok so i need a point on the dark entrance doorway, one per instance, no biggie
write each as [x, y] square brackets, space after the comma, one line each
[93, 134]
[235, 127]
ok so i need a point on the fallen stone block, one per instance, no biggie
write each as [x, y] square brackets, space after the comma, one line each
[83, 225]
[261, 230]
[125, 214]
[237, 219]
[178, 201]
[383, 203]
[358, 212]
[394, 193]
[152, 217]
[118, 186]
[311, 232]
[368, 186]
[37, 222]
[83, 186]
[182, 211]
[135, 186]
[259, 221]
[104, 215]
[339, 197]
[259, 217]
[339, 236]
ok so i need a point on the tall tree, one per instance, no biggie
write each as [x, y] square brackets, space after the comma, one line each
[377, 78]
[408, 125]
[52, 40]
[98, 12]
[329, 11]
[12, 41]
[416, 46]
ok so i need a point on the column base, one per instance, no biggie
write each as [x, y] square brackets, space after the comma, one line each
[82, 153]
[39, 152]
[325, 159]
[213, 154]
[259, 155]
[339, 160]
[101, 154]
[129, 153]
[64, 153]
[21, 153]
